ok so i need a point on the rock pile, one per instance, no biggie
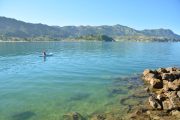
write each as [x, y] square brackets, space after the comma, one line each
[164, 88]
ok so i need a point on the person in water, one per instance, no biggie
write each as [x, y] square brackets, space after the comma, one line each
[44, 53]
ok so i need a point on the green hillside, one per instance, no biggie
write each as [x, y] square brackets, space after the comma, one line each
[11, 29]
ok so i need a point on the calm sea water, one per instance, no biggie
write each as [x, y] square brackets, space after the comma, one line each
[86, 77]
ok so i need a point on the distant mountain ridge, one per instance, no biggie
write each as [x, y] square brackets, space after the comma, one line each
[12, 28]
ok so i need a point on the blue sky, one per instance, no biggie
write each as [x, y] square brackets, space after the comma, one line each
[138, 14]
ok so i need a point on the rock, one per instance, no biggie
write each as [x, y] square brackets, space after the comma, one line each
[98, 117]
[178, 94]
[148, 112]
[171, 69]
[171, 94]
[73, 116]
[167, 105]
[165, 85]
[168, 76]
[161, 97]
[175, 113]
[162, 70]
[147, 89]
[156, 83]
[154, 103]
[151, 76]
[176, 74]
[146, 71]
[175, 85]
[175, 102]
[156, 118]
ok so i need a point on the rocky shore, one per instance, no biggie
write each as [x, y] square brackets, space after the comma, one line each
[163, 87]
[157, 99]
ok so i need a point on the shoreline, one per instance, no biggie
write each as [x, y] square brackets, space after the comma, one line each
[140, 41]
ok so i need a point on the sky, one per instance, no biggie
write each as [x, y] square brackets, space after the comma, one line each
[138, 14]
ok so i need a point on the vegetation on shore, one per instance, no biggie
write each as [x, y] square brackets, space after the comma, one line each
[96, 37]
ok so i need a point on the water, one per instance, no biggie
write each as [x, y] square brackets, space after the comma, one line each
[86, 77]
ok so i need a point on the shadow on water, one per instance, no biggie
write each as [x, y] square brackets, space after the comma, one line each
[23, 116]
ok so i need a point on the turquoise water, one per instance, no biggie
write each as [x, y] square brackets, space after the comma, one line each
[86, 77]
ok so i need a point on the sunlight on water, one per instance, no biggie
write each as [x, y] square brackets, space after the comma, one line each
[83, 77]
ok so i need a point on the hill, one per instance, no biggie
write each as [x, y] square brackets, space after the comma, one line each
[12, 29]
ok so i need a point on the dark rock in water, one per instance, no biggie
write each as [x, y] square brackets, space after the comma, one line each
[135, 97]
[79, 96]
[119, 91]
[73, 116]
[100, 117]
[23, 116]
